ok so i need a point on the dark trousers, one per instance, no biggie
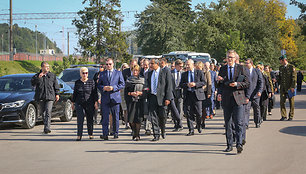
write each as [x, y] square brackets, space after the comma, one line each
[175, 112]
[193, 110]
[83, 110]
[45, 112]
[253, 103]
[264, 108]
[158, 116]
[299, 86]
[106, 109]
[211, 107]
[233, 114]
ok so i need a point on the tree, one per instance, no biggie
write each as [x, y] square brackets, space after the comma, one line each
[99, 29]
[163, 25]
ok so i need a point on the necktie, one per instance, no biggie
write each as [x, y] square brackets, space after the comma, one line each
[154, 83]
[177, 78]
[231, 75]
[109, 75]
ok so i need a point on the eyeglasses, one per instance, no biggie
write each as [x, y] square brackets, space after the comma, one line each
[84, 72]
[108, 64]
[231, 57]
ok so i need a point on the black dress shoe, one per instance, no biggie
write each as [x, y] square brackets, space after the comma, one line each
[155, 139]
[228, 149]
[264, 119]
[104, 137]
[47, 131]
[177, 129]
[78, 139]
[163, 135]
[258, 125]
[200, 131]
[289, 119]
[116, 136]
[190, 134]
[283, 118]
[243, 142]
[239, 149]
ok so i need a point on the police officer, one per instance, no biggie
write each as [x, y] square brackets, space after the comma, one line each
[287, 81]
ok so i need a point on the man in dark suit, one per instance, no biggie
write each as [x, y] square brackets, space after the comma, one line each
[159, 96]
[110, 83]
[192, 82]
[233, 79]
[178, 95]
[252, 93]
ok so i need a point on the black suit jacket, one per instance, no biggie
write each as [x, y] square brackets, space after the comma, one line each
[199, 80]
[238, 92]
[256, 84]
[164, 86]
[177, 90]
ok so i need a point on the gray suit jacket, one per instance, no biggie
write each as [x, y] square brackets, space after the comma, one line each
[256, 84]
[177, 90]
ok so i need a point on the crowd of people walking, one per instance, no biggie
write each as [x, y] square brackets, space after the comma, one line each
[145, 92]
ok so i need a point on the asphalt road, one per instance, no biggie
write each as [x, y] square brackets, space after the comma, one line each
[278, 147]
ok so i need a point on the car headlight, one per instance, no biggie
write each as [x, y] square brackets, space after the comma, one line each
[16, 104]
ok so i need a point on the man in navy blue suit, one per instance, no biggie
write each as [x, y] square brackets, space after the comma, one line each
[233, 79]
[253, 94]
[110, 83]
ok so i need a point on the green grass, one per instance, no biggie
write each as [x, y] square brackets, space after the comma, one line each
[16, 67]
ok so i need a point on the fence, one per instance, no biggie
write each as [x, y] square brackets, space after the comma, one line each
[27, 56]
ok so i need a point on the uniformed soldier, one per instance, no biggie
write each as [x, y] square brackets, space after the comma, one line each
[287, 81]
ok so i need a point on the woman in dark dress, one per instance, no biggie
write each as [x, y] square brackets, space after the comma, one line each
[85, 98]
[134, 87]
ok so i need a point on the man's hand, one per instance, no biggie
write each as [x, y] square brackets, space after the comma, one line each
[270, 95]
[167, 102]
[96, 106]
[233, 84]
[138, 93]
[258, 94]
[219, 78]
[292, 90]
[208, 96]
[219, 98]
[57, 98]
[108, 88]
[99, 101]
[40, 74]
[191, 84]
[247, 100]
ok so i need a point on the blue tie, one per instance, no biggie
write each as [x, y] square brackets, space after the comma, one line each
[154, 83]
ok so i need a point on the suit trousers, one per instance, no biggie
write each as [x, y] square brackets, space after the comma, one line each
[254, 103]
[210, 108]
[45, 112]
[175, 114]
[283, 97]
[158, 116]
[106, 109]
[233, 114]
[82, 111]
[193, 110]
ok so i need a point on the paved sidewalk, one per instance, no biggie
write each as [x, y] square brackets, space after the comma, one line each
[277, 148]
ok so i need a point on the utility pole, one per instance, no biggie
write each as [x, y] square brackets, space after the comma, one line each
[11, 31]
[36, 41]
[68, 43]
[2, 44]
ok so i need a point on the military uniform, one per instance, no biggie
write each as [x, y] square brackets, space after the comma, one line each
[287, 80]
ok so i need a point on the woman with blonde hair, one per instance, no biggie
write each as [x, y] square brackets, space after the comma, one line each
[85, 99]
[134, 87]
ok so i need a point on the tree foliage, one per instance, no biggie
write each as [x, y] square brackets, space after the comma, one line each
[24, 40]
[99, 29]
[162, 26]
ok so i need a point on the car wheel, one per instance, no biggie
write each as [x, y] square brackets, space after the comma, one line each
[30, 117]
[68, 112]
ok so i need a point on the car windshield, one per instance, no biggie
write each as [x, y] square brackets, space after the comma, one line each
[16, 84]
[72, 75]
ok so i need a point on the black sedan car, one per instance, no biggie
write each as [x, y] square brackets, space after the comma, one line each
[17, 104]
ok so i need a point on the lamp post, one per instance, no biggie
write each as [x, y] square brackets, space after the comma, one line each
[36, 41]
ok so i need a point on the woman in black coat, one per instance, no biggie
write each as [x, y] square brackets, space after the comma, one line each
[134, 87]
[85, 98]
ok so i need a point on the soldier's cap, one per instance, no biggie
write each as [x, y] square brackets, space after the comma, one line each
[282, 57]
[260, 63]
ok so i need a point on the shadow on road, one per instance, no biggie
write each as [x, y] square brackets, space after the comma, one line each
[294, 130]
[220, 152]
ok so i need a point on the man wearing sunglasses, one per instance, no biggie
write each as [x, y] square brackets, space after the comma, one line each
[110, 83]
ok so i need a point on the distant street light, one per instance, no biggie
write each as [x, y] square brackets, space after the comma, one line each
[36, 41]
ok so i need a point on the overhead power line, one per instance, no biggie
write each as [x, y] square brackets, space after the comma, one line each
[56, 15]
